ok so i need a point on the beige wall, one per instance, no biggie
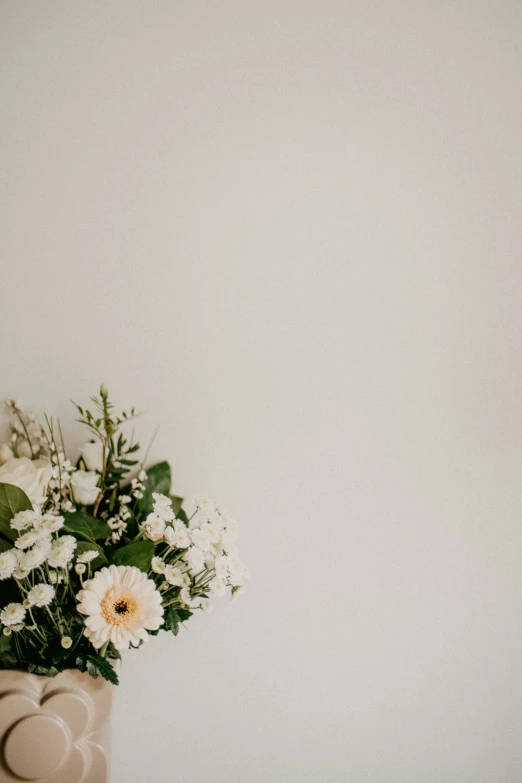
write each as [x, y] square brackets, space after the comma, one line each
[291, 232]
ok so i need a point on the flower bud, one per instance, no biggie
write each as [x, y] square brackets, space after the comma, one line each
[23, 449]
[66, 642]
[5, 453]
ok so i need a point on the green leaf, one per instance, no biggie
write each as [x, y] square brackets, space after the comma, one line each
[12, 500]
[138, 554]
[171, 621]
[5, 545]
[158, 479]
[96, 665]
[86, 527]
[176, 504]
[5, 643]
[89, 546]
[184, 614]
[47, 671]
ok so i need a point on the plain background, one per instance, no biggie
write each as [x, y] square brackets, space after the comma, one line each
[290, 232]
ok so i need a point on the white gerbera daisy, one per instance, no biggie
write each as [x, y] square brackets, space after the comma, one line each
[8, 563]
[121, 604]
[12, 614]
[41, 595]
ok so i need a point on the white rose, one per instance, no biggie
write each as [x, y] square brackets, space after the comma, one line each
[84, 489]
[92, 454]
[32, 476]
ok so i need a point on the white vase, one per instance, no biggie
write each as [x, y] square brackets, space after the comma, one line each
[54, 730]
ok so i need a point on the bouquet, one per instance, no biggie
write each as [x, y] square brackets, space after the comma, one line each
[97, 555]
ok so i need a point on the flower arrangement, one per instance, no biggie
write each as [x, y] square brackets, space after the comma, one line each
[97, 556]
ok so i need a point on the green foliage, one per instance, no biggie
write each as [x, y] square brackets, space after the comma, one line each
[5, 545]
[159, 479]
[12, 500]
[47, 671]
[86, 527]
[88, 546]
[96, 665]
[138, 554]
[176, 503]
[171, 621]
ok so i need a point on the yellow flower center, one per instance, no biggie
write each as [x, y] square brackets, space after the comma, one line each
[118, 607]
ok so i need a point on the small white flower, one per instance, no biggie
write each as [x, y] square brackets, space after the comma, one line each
[84, 489]
[182, 538]
[200, 539]
[154, 527]
[49, 523]
[41, 595]
[62, 552]
[36, 556]
[124, 499]
[170, 536]
[8, 564]
[237, 592]
[26, 539]
[12, 614]
[204, 503]
[221, 567]
[24, 520]
[173, 575]
[66, 642]
[205, 604]
[196, 559]
[186, 582]
[231, 528]
[80, 568]
[163, 507]
[184, 594]
[157, 565]
[217, 586]
[216, 520]
[20, 573]
[92, 454]
[88, 556]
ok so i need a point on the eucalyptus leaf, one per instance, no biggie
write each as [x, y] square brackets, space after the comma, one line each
[159, 479]
[12, 501]
[138, 554]
[86, 527]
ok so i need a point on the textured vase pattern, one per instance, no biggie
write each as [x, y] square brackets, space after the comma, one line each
[54, 730]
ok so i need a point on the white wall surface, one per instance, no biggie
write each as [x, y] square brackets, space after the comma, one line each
[290, 231]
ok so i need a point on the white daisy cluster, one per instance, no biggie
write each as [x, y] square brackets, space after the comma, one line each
[35, 545]
[209, 559]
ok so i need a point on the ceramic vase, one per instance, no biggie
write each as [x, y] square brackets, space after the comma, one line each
[54, 730]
